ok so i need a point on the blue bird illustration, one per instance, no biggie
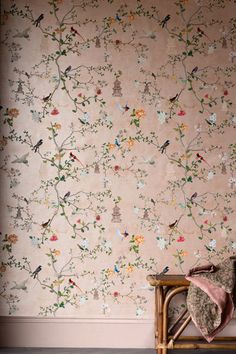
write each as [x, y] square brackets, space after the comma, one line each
[117, 142]
[118, 18]
[116, 269]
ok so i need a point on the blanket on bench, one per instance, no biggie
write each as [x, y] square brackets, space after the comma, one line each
[211, 296]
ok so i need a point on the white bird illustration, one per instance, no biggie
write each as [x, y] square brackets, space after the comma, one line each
[20, 286]
[23, 34]
[22, 159]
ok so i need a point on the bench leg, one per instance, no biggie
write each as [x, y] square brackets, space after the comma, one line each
[159, 317]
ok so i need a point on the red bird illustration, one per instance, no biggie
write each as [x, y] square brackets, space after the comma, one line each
[73, 283]
[73, 157]
[73, 30]
[201, 158]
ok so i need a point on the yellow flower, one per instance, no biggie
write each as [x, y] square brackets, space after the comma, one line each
[130, 142]
[56, 252]
[13, 112]
[57, 126]
[12, 238]
[57, 282]
[139, 239]
[129, 269]
[140, 113]
[183, 126]
[110, 272]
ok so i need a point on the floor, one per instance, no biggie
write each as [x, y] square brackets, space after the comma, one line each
[104, 351]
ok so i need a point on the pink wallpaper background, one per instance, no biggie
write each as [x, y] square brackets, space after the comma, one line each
[118, 150]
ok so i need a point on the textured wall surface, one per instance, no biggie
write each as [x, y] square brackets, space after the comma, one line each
[118, 150]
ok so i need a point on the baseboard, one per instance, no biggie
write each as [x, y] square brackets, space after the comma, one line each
[84, 332]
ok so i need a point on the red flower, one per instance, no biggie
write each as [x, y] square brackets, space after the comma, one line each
[226, 92]
[206, 95]
[116, 168]
[181, 113]
[80, 94]
[78, 221]
[225, 218]
[205, 221]
[98, 91]
[98, 217]
[53, 238]
[181, 239]
[116, 294]
[54, 112]
[118, 42]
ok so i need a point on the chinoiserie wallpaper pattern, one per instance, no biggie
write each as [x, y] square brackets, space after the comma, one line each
[118, 150]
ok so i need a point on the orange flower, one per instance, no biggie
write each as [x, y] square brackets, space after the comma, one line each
[58, 156]
[130, 142]
[139, 239]
[129, 269]
[111, 146]
[56, 252]
[13, 112]
[3, 141]
[131, 17]
[12, 238]
[3, 268]
[140, 113]
[57, 126]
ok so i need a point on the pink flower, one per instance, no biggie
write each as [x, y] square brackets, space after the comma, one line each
[205, 221]
[181, 239]
[181, 113]
[54, 112]
[53, 238]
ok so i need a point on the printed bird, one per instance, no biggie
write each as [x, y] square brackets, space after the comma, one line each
[195, 69]
[164, 146]
[116, 269]
[23, 34]
[73, 30]
[153, 75]
[173, 99]
[38, 20]
[66, 196]
[122, 234]
[202, 33]
[20, 286]
[148, 160]
[45, 99]
[36, 146]
[22, 159]
[26, 200]
[68, 69]
[117, 142]
[193, 196]
[153, 201]
[164, 21]
[171, 226]
[123, 109]
[164, 271]
[36, 272]
[85, 118]
[210, 122]
[73, 157]
[201, 158]
[45, 224]
[118, 18]
[73, 283]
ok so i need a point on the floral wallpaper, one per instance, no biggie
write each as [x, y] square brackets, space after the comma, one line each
[118, 150]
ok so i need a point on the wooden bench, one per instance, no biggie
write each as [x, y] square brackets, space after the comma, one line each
[166, 287]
